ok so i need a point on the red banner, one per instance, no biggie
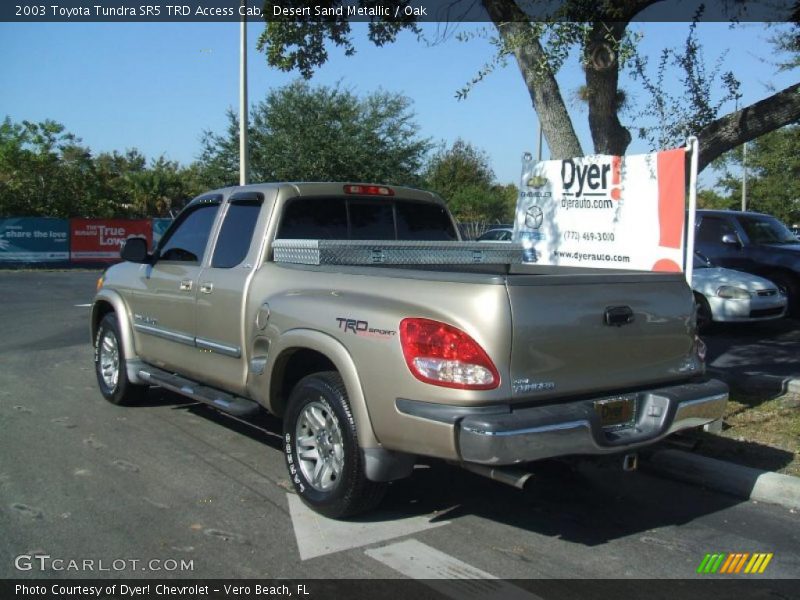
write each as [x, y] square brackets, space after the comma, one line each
[100, 240]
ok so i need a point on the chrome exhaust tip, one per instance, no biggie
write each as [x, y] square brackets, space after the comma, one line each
[510, 476]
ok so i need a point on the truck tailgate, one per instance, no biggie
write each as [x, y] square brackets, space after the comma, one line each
[565, 343]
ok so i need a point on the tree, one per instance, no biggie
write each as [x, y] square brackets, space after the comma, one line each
[304, 133]
[43, 169]
[462, 165]
[675, 112]
[773, 175]
[711, 199]
[462, 176]
[597, 30]
[46, 171]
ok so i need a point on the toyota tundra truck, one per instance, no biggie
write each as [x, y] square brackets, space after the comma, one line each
[357, 315]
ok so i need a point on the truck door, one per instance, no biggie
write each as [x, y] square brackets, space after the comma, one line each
[222, 293]
[163, 311]
[708, 241]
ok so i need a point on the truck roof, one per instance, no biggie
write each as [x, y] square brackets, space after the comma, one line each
[327, 188]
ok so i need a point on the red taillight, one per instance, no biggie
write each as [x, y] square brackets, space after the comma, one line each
[444, 355]
[369, 190]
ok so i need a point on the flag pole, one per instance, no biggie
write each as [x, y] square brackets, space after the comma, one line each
[692, 145]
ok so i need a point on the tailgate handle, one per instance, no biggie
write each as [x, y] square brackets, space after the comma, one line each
[619, 315]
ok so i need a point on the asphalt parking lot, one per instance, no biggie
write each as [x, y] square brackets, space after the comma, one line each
[175, 481]
[762, 356]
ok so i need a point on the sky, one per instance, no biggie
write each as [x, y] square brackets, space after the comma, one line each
[157, 87]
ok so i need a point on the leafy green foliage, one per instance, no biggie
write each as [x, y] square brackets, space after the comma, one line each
[670, 117]
[711, 199]
[44, 170]
[787, 42]
[773, 174]
[297, 41]
[462, 176]
[304, 133]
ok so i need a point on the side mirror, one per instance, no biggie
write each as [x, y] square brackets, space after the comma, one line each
[731, 239]
[135, 250]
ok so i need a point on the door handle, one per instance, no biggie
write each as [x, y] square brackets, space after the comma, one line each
[618, 316]
[186, 285]
[207, 287]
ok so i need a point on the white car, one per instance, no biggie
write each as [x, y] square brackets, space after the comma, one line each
[724, 295]
[498, 234]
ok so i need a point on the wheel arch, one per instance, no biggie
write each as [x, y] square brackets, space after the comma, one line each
[106, 302]
[302, 352]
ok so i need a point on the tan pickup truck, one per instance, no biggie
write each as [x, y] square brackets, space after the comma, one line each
[356, 314]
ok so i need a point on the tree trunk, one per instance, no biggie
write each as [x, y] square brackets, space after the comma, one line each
[602, 93]
[541, 83]
[734, 129]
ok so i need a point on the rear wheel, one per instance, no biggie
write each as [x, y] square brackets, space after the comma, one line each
[109, 365]
[321, 449]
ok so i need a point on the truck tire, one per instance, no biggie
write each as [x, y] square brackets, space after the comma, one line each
[109, 365]
[321, 449]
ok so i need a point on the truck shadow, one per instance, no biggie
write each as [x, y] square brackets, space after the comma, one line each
[589, 502]
[586, 503]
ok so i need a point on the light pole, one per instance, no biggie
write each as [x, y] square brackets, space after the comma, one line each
[744, 177]
[744, 164]
[243, 156]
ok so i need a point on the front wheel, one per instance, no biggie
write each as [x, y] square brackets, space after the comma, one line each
[109, 365]
[321, 449]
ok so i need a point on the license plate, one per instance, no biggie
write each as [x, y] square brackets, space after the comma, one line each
[615, 412]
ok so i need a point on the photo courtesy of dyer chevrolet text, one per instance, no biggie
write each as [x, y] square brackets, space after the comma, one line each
[160, 589]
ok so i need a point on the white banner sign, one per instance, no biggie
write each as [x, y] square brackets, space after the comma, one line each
[604, 211]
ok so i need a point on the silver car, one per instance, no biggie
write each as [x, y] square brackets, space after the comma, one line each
[725, 295]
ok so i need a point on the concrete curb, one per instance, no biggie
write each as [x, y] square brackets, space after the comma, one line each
[744, 482]
[757, 382]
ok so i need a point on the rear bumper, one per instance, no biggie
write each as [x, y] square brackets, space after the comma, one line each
[569, 428]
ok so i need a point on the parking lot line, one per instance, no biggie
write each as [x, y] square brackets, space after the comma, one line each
[444, 573]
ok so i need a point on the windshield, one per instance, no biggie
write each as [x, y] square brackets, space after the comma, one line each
[766, 230]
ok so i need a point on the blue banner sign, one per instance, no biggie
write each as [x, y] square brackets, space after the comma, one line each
[34, 240]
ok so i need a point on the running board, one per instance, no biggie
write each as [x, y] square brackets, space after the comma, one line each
[233, 405]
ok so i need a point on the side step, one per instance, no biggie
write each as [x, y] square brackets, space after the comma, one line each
[233, 405]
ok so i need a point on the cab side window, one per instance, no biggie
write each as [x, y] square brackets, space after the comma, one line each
[711, 230]
[236, 233]
[186, 240]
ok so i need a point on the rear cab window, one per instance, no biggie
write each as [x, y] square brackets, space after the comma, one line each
[337, 218]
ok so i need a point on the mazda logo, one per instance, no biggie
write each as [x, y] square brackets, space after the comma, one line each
[533, 217]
